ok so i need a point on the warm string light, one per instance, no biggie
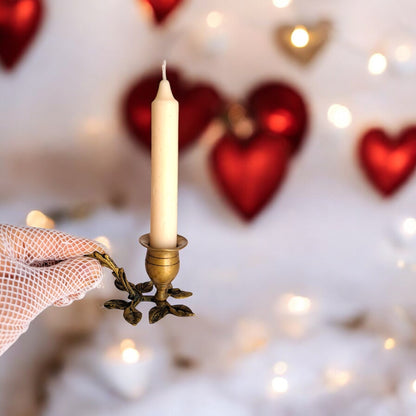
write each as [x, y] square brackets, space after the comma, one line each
[389, 343]
[299, 37]
[214, 19]
[280, 368]
[401, 264]
[279, 385]
[280, 4]
[104, 241]
[129, 353]
[336, 378]
[413, 386]
[38, 219]
[339, 116]
[298, 305]
[403, 53]
[251, 335]
[377, 63]
[408, 226]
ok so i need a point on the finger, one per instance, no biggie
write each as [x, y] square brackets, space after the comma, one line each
[32, 245]
[70, 279]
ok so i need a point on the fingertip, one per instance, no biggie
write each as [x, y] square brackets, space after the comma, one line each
[90, 272]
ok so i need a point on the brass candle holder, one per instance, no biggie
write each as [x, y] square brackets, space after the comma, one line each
[162, 266]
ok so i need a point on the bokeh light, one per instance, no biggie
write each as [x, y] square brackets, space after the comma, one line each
[214, 19]
[104, 241]
[298, 305]
[38, 219]
[408, 226]
[403, 53]
[299, 37]
[377, 64]
[280, 368]
[389, 343]
[280, 385]
[339, 116]
[280, 4]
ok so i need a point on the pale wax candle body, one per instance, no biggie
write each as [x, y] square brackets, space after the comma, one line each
[164, 183]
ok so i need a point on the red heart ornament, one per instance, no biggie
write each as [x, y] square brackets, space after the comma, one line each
[388, 162]
[161, 9]
[19, 22]
[279, 109]
[249, 172]
[199, 104]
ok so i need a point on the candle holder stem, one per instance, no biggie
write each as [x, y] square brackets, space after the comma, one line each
[162, 266]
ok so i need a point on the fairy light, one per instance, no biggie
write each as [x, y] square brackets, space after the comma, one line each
[280, 368]
[299, 37]
[409, 226]
[389, 343]
[129, 353]
[280, 385]
[127, 343]
[104, 241]
[251, 335]
[281, 4]
[38, 219]
[403, 53]
[401, 263]
[214, 19]
[298, 305]
[414, 386]
[339, 116]
[336, 378]
[377, 63]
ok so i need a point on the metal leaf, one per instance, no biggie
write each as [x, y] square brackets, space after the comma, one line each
[132, 315]
[119, 285]
[145, 287]
[116, 304]
[157, 313]
[180, 310]
[179, 294]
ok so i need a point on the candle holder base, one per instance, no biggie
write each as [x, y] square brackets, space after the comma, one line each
[162, 266]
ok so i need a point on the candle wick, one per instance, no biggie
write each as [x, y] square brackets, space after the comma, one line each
[164, 70]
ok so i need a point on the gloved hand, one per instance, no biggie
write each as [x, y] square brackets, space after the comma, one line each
[39, 268]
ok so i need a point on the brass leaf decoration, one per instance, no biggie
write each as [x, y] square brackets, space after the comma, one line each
[179, 294]
[180, 310]
[132, 315]
[116, 304]
[157, 313]
[145, 287]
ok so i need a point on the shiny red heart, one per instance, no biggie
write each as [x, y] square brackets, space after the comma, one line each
[249, 172]
[199, 104]
[279, 109]
[19, 22]
[388, 162]
[161, 9]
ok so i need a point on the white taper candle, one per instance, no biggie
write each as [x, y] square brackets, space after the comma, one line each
[164, 182]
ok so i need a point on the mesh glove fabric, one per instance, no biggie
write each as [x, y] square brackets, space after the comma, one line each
[39, 268]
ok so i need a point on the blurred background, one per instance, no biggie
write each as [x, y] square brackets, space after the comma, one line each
[302, 263]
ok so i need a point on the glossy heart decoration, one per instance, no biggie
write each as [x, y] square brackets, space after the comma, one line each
[199, 104]
[388, 162]
[19, 22]
[279, 109]
[318, 36]
[249, 172]
[161, 9]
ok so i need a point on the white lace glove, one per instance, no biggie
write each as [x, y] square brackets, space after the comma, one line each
[39, 268]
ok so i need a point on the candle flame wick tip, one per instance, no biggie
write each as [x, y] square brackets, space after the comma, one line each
[164, 70]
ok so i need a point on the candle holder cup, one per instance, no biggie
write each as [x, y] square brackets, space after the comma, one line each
[162, 266]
